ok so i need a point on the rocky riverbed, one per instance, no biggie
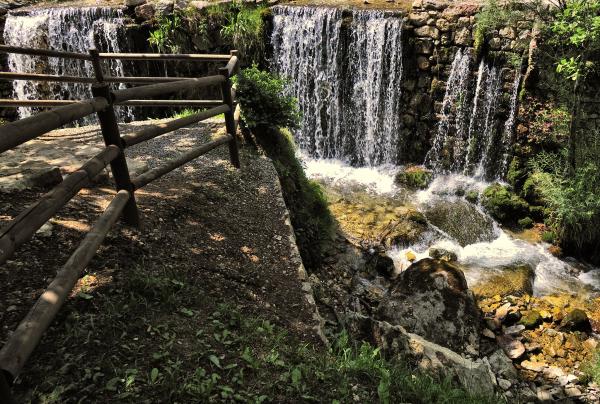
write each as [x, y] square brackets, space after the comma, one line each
[391, 283]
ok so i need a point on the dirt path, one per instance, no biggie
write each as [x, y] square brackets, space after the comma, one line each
[214, 240]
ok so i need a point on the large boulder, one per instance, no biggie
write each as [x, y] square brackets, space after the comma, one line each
[475, 376]
[431, 299]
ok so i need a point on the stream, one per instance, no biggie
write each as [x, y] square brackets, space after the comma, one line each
[481, 246]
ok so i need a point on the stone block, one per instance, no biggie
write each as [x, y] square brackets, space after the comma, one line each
[418, 19]
[427, 31]
[424, 46]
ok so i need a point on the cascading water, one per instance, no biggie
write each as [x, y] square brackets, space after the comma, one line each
[345, 71]
[73, 29]
[468, 130]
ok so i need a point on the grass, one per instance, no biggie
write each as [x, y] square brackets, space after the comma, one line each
[184, 113]
[150, 343]
[592, 369]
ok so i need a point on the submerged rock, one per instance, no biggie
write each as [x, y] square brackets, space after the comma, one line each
[431, 299]
[442, 254]
[514, 281]
[460, 220]
[414, 177]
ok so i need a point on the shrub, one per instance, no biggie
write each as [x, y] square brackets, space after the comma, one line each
[592, 367]
[548, 237]
[494, 15]
[503, 204]
[415, 177]
[263, 101]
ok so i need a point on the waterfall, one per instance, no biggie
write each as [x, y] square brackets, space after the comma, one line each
[469, 138]
[72, 29]
[345, 69]
[509, 126]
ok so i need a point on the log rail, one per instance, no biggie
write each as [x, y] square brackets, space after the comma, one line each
[22, 342]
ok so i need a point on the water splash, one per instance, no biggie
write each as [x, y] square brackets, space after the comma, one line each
[72, 29]
[345, 71]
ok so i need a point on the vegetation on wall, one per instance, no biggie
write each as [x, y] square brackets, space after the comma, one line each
[266, 109]
[239, 24]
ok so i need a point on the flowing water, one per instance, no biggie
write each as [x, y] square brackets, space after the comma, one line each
[487, 249]
[345, 69]
[469, 128]
[72, 29]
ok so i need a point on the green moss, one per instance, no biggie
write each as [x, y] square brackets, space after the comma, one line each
[503, 204]
[531, 319]
[312, 221]
[517, 173]
[472, 196]
[415, 177]
[526, 222]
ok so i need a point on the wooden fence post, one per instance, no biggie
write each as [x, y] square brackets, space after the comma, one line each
[96, 65]
[5, 395]
[120, 171]
[234, 154]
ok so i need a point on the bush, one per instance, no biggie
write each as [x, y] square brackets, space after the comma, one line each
[415, 177]
[263, 101]
[548, 237]
[592, 367]
[503, 204]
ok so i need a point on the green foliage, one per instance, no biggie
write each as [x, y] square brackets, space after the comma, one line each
[574, 203]
[503, 204]
[415, 177]
[592, 367]
[263, 101]
[576, 30]
[312, 221]
[245, 28]
[548, 237]
[165, 37]
[184, 113]
[494, 15]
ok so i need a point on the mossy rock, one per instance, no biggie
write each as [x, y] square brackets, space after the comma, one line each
[533, 188]
[415, 177]
[576, 320]
[513, 281]
[531, 319]
[503, 204]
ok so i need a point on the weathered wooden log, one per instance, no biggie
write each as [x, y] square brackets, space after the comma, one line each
[5, 395]
[22, 342]
[234, 155]
[151, 175]
[144, 80]
[118, 166]
[130, 103]
[36, 103]
[45, 77]
[15, 133]
[24, 226]
[166, 127]
[163, 56]
[171, 103]
[232, 66]
[165, 88]
[43, 52]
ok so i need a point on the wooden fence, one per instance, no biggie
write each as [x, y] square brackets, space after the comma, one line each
[27, 335]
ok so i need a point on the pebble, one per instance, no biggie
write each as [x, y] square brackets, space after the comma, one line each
[572, 392]
[533, 366]
[11, 308]
[514, 330]
[553, 372]
[504, 384]
[502, 311]
[488, 333]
